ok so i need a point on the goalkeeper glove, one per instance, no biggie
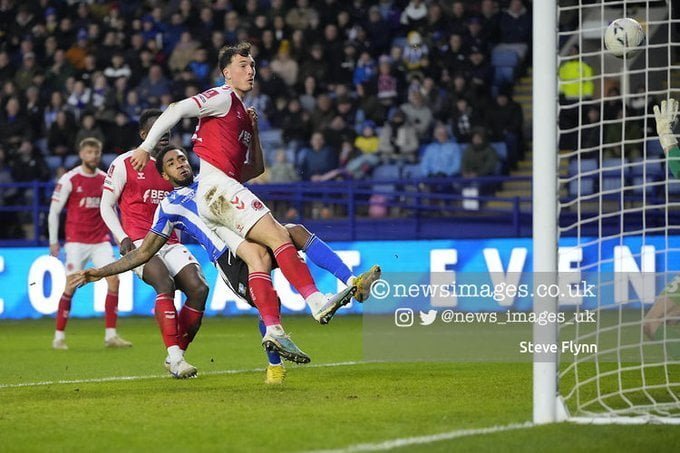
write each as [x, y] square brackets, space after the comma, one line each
[665, 118]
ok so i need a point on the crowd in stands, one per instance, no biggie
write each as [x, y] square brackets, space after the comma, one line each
[342, 86]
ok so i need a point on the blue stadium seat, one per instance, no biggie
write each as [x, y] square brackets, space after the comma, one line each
[107, 159]
[587, 183]
[53, 162]
[71, 161]
[654, 148]
[412, 171]
[504, 63]
[386, 172]
[614, 175]
[646, 172]
[501, 150]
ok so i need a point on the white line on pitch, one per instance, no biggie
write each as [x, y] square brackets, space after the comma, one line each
[160, 376]
[419, 440]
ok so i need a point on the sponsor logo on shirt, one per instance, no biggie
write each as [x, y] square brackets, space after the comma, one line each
[89, 202]
[244, 137]
[154, 196]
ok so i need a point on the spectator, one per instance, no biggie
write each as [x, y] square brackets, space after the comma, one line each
[452, 56]
[282, 171]
[284, 66]
[118, 68]
[515, 28]
[270, 82]
[80, 98]
[62, 135]
[479, 158]
[475, 36]
[414, 15]
[379, 32]
[262, 104]
[200, 67]
[301, 16]
[398, 139]
[318, 158]
[100, 91]
[154, 85]
[591, 140]
[182, 53]
[575, 78]
[88, 128]
[51, 111]
[309, 94]
[7, 70]
[505, 121]
[34, 111]
[415, 54]
[14, 125]
[323, 113]
[295, 124]
[29, 165]
[24, 75]
[60, 70]
[314, 65]
[479, 71]
[490, 18]
[77, 52]
[464, 118]
[441, 157]
[122, 135]
[7, 194]
[418, 114]
[368, 144]
[387, 83]
[365, 70]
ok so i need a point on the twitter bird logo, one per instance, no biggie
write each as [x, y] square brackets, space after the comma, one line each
[427, 318]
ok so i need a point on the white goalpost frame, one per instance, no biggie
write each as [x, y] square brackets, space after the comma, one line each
[544, 200]
[548, 405]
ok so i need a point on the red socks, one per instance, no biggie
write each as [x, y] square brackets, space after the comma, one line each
[166, 316]
[63, 311]
[295, 270]
[111, 310]
[264, 297]
[189, 323]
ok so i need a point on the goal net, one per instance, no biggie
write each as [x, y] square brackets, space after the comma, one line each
[617, 217]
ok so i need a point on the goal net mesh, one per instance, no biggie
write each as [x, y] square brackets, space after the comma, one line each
[619, 216]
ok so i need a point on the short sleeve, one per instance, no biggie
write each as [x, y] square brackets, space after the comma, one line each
[116, 177]
[213, 102]
[162, 225]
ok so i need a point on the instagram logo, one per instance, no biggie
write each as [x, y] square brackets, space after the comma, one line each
[403, 317]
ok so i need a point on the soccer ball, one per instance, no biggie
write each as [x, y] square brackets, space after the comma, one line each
[624, 37]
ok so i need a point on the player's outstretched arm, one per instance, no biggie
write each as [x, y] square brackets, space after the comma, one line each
[665, 116]
[255, 165]
[186, 108]
[150, 246]
[59, 198]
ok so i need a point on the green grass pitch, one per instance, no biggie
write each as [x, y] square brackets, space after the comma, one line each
[336, 403]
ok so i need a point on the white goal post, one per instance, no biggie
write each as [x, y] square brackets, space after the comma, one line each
[601, 189]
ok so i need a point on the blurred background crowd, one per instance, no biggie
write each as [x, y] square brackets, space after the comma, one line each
[343, 87]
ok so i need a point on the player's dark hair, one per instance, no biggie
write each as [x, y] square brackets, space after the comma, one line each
[148, 115]
[227, 53]
[163, 152]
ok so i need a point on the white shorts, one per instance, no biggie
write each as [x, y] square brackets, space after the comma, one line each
[175, 257]
[222, 200]
[78, 254]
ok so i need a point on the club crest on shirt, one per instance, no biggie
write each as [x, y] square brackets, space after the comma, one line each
[257, 205]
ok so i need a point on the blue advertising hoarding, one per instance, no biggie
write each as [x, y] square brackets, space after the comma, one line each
[31, 281]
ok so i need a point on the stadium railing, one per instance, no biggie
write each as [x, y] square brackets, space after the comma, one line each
[420, 208]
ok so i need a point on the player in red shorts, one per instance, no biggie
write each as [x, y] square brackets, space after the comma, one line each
[87, 238]
[137, 195]
[225, 138]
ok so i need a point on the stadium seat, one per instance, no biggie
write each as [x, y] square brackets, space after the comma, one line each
[614, 176]
[587, 183]
[501, 150]
[53, 162]
[71, 161]
[504, 63]
[654, 148]
[412, 171]
[646, 172]
[386, 172]
[107, 159]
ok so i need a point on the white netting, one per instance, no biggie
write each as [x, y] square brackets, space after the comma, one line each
[620, 207]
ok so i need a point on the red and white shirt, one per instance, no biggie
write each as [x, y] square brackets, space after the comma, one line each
[138, 193]
[224, 131]
[81, 193]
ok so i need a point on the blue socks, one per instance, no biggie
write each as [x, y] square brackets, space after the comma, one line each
[323, 256]
[274, 357]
